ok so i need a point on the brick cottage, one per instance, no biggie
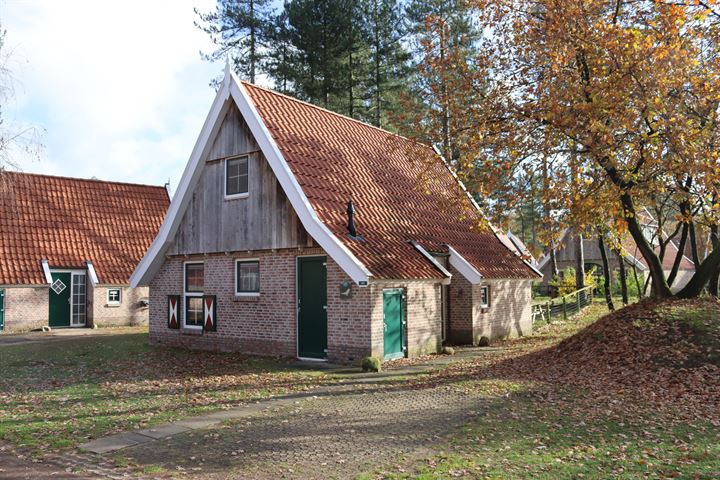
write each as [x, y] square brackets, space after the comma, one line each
[299, 232]
[68, 247]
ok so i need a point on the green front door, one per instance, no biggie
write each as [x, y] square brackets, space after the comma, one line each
[2, 310]
[393, 324]
[312, 307]
[60, 299]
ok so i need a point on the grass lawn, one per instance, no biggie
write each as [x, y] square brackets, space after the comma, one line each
[548, 427]
[59, 394]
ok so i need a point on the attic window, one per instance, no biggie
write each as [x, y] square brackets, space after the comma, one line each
[236, 177]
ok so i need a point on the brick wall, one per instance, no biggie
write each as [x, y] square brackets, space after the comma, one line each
[131, 311]
[267, 324]
[460, 330]
[26, 308]
[422, 315]
[509, 314]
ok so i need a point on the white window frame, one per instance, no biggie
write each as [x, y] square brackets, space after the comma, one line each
[487, 296]
[225, 178]
[187, 294]
[114, 302]
[238, 293]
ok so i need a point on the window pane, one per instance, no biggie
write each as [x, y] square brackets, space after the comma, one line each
[235, 170]
[248, 277]
[194, 277]
[194, 311]
[243, 183]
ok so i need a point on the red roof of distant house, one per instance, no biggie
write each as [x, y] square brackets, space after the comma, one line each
[68, 221]
[335, 158]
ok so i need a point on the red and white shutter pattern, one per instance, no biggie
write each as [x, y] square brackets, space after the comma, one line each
[209, 313]
[173, 308]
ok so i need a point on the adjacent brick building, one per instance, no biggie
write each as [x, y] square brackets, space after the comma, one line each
[296, 231]
[68, 247]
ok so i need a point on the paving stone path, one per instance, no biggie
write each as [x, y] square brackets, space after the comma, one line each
[331, 436]
[360, 424]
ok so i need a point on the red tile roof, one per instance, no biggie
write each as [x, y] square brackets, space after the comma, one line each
[335, 159]
[68, 221]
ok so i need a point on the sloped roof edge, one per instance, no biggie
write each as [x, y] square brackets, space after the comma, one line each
[232, 90]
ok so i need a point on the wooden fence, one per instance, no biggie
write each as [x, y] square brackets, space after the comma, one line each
[563, 307]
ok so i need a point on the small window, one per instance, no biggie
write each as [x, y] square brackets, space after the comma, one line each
[194, 311]
[247, 277]
[194, 287]
[194, 277]
[485, 296]
[114, 297]
[236, 177]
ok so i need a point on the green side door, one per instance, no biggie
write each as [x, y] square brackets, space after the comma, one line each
[60, 299]
[2, 309]
[312, 307]
[393, 324]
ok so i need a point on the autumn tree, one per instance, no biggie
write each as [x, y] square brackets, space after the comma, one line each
[617, 100]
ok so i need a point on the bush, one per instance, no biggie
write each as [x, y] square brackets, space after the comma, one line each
[565, 282]
[371, 364]
[484, 342]
[448, 351]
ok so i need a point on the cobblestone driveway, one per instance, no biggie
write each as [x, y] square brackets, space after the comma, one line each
[334, 436]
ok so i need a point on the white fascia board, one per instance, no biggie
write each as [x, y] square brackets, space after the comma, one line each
[309, 219]
[46, 271]
[154, 257]
[477, 207]
[91, 273]
[426, 254]
[464, 267]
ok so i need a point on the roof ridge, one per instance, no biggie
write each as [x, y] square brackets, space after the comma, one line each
[97, 180]
[323, 109]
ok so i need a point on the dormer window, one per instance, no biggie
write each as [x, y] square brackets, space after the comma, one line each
[236, 177]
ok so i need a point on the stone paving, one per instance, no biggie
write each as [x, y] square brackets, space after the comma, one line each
[332, 436]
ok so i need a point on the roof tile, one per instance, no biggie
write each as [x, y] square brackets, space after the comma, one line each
[401, 190]
[68, 221]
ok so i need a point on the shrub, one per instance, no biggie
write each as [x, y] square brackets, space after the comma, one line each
[484, 342]
[448, 351]
[371, 364]
[565, 282]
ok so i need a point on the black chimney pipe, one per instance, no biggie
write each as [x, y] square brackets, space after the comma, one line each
[351, 219]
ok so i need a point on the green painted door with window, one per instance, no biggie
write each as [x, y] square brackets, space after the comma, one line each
[393, 324]
[60, 299]
[312, 307]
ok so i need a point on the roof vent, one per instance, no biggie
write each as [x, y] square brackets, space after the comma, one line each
[351, 219]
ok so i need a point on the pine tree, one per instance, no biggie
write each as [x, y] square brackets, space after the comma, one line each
[441, 29]
[240, 29]
[389, 60]
[281, 56]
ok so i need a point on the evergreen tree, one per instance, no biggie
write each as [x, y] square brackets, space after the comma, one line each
[281, 56]
[240, 29]
[389, 60]
[443, 33]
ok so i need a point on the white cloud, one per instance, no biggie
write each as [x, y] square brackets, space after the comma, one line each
[119, 86]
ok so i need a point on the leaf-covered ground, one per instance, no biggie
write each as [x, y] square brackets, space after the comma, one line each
[57, 395]
[635, 394]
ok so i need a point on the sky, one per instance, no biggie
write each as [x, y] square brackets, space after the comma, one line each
[117, 90]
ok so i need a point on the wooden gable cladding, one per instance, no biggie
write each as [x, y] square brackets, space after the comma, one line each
[264, 220]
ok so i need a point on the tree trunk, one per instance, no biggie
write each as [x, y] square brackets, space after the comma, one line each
[579, 263]
[694, 245]
[623, 277]
[606, 271]
[660, 287]
[679, 256]
[253, 51]
[640, 291]
[702, 276]
[715, 277]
